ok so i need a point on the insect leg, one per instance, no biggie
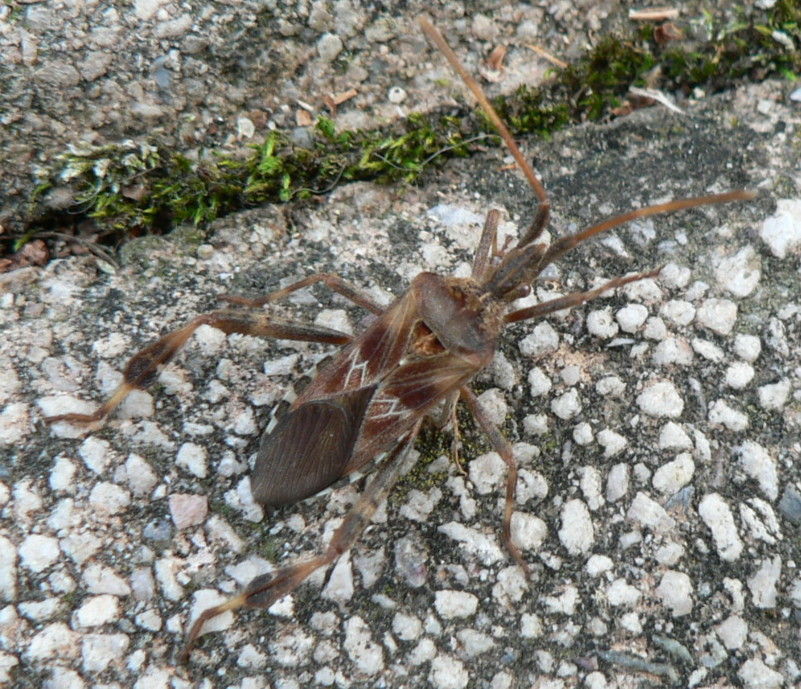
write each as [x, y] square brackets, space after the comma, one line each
[502, 446]
[266, 589]
[576, 298]
[144, 366]
[332, 281]
[487, 246]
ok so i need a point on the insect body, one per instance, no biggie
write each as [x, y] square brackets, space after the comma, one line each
[416, 358]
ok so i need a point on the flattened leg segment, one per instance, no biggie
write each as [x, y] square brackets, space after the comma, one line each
[143, 368]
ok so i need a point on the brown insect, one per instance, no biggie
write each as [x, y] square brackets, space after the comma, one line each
[416, 359]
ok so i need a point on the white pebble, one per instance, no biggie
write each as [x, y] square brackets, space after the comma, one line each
[107, 499]
[733, 632]
[366, 654]
[718, 315]
[669, 554]
[782, 231]
[747, 347]
[567, 405]
[539, 383]
[613, 443]
[739, 374]
[454, 604]
[599, 564]
[611, 385]
[718, 517]
[329, 46]
[673, 437]
[448, 673]
[406, 627]
[582, 433]
[528, 531]
[601, 324]
[763, 584]
[542, 340]
[675, 590]
[98, 610]
[203, 600]
[8, 569]
[54, 641]
[96, 454]
[721, 413]
[485, 547]
[193, 458]
[674, 276]
[678, 312]
[563, 604]
[38, 552]
[494, 403]
[630, 318]
[396, 95]
[576, 532]
[672, 350]
[590, 484]
[756, 675]
[739, 274]
[760, 466]
[474, 643]
[98, 651]
[621, 594]
[535, 424]
[139, 475]
[661, 399]
[709, 350]
[774, 396]
[530, 626]
[673, 476]
[187, 509]
[617, 483]
[655, 328]
[62, 475]
[649, 514]
[98, 578]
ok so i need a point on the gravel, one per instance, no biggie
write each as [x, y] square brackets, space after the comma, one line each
[658, 502]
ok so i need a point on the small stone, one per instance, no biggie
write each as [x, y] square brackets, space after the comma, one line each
[621, 594]
[678, 312]
[455, 604]
[661, 399]
[590, 484]
[203, 600]
[739, 375]
[721, 413]
[774, 396]
[669, 554]
[54, 641]
[760, 466]
[8, 569]
[329, 46]
[601, 324]
[582, 433]
[649, 513]
[675, 590]
[670, 478]
[539, 383]
[790, 506]
[630, 318]
[613, 443]
[364, 653]
[528, 531]
[98, 651]
[763, 584]
[96, 454]
[599, 564]
[617, 483]
[448, 673]
[542, 340]
[139, 475]
[567, 405]
[733, 632]
[396, 95]
[576, 534]
[610, 386]
[719, 315]
[108, 499]
[563, 604]
[673, 437]
[187, 509]
[98, 579]
[782, 231]
[673, 350]
[406, 627]
[718, 517]
[747, 347]
[739, 274]
[38, 552]
[756, 675]
[193, 458]
[709, 350]
[97, 611]
[494, 403]
[62, 476]
[474, 643]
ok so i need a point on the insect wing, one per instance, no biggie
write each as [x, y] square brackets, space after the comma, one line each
[309, 448]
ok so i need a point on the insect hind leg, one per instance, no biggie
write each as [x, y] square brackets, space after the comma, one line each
[143, 368]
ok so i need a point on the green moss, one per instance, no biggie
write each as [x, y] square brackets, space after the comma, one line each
[136, 188]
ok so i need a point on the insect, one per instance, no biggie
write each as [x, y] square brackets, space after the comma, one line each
[414, 360]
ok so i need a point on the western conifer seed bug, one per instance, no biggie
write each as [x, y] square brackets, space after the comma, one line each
[416, 359]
